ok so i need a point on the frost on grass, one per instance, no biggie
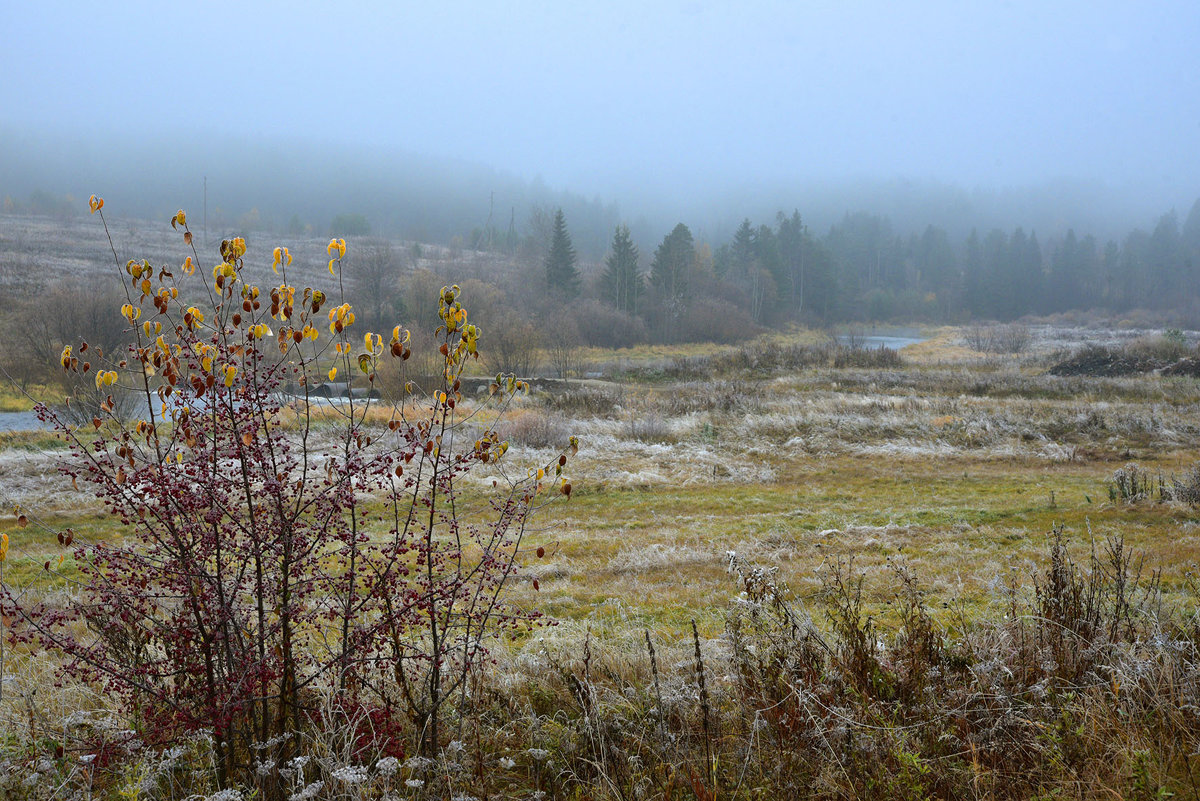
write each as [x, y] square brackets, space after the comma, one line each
[661, 556]
[31, 479]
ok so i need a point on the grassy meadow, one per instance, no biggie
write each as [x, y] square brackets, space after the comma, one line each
[865, 545]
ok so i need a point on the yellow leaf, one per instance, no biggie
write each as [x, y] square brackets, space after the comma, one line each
[332, 373]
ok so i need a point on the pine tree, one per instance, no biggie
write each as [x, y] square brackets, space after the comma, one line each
[742, 251]
[562, 275]
[622, 281]
[672, 265]
[792, 235]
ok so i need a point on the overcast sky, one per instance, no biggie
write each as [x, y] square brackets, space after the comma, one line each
[620, 97]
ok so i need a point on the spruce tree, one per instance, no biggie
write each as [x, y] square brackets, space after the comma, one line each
[622, 281]
[672, 265]
[562, 275]
[742, 250]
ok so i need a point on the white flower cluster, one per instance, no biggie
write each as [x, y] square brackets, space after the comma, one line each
[418, 763]
[232, 794]
[352, 774]
[307, 793]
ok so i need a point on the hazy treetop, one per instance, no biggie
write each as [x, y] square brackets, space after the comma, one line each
[627, 96]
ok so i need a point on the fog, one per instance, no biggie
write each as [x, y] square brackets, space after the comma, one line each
[960, 114]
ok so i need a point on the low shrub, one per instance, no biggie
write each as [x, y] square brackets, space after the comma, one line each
[1004, 339]
[881, 358]
[585, 400]
[537, 429]
[1131, 483]
[1186, 488]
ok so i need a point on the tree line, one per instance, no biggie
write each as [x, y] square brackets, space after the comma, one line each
[862, 270]
[681, 288]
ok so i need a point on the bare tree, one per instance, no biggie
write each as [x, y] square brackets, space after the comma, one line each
[63, 314]
[376, 269]
[514, 345]
[563, 351]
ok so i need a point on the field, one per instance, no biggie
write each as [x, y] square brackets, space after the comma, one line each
[959, 465]
[786, 568]
[949, 465]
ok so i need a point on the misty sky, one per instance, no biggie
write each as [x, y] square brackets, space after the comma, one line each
[623, 97]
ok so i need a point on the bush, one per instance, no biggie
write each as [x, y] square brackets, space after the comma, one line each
[262, 584]
[602, 326]
[596, 401]
[1010, 339]
[538, 430]
[1185, 489]
[1165, 348]
[881, 357]
[1132, 483]
[718, 321]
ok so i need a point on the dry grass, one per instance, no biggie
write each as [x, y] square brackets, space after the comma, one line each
[822, 680]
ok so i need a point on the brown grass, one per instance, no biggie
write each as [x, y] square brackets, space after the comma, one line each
[882, 606]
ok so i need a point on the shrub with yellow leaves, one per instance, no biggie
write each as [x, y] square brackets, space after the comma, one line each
[257, 575]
